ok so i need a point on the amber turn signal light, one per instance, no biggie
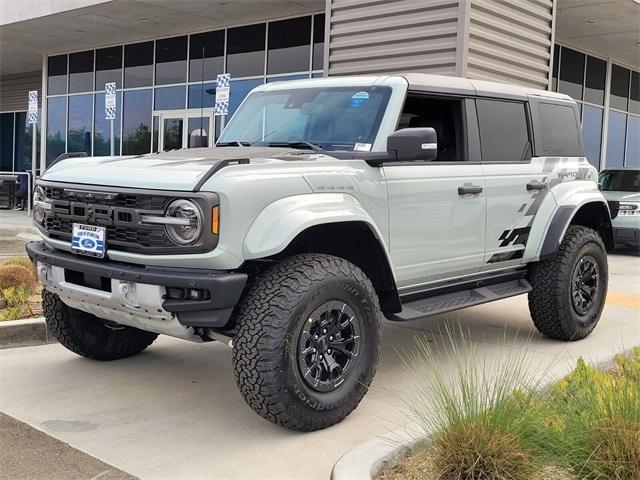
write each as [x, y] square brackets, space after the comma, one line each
[215, 220]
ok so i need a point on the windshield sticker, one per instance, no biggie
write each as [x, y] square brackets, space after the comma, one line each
[362, 147]
[359, 99]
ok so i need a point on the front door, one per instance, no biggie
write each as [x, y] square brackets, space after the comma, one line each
[437, 209]
[185, 129]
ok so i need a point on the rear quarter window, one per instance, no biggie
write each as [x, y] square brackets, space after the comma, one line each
[559, 130]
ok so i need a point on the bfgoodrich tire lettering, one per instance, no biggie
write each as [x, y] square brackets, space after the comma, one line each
[270, 318]
[551, 304]
[89, 336]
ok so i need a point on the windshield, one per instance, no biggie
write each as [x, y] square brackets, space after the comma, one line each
[340, 118]
[620, 180]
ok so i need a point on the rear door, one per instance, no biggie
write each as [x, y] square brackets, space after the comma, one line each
[515, 184]
[436, 229]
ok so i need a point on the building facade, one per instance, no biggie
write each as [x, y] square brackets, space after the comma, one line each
[164, 58]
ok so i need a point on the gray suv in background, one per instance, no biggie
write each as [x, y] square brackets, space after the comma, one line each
[621, 188]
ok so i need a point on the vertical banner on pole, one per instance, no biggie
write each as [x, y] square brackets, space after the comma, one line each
[110, 111]
[223, 82]
[32, 118]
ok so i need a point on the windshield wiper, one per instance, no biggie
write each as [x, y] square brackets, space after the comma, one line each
[301, 144]
[233, 143]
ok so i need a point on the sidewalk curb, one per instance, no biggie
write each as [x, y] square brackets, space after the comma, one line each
[24, 333]
[368, 459]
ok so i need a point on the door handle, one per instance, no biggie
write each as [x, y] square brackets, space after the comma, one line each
[469, 190]
[536, 186]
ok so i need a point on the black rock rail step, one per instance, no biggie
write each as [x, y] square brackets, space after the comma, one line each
[447, 302]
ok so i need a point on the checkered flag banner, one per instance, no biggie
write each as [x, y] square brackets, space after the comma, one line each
[110, 113]
[223, 83]
[223, 80]
[110, 101]
[32, 114]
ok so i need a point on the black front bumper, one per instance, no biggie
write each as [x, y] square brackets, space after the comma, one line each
[223, 288]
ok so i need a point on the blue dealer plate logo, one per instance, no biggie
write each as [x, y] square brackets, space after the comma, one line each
[87, 243]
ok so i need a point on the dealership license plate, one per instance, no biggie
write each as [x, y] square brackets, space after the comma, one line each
[88, 240]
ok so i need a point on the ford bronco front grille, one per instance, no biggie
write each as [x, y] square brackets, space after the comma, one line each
[121, 212]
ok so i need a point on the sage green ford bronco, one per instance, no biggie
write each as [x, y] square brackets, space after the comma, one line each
[326, 205]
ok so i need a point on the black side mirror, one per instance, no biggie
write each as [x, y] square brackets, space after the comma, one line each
[411, 144]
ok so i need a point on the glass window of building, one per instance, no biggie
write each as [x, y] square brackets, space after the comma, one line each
[318, 42]
[595, 80]
[102, 127]
[170, 98]
[57, 75]
[136, 120]
[171, 60]
[592, 133]
[202, 95]
[286, 78]
[81, 72]
[56, 127]
[6, 142]
[634, 94]
[206, 56]
[79, 123]
[616, 139]
[288, 45]
[633, 142]
[619, 87]
[556, 66]
[246, 50]
[138, 65]
[22, 143]
[571, 73]
[108, 67]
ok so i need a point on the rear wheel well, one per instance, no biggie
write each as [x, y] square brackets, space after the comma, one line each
[355, 242]
[596, 215]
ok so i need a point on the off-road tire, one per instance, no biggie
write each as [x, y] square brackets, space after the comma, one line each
[89, 336]
[269, 317]
[550, 301]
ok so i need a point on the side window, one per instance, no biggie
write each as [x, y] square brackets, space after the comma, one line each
[559, 129]
[442, 114]
[504, 131]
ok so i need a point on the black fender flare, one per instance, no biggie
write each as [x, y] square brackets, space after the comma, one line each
[567, 215]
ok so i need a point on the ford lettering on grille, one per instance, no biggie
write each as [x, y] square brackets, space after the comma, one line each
[95, 214]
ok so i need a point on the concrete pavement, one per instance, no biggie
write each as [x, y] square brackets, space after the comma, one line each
[173, 412]
[15, 230]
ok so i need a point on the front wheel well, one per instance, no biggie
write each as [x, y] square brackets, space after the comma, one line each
[596, 215]
[356, 243]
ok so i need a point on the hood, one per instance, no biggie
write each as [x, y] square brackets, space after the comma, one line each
[182, 170]
[616, 196]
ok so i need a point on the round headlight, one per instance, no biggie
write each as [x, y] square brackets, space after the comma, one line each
[184, 222]
[38, 200]
[38, 194]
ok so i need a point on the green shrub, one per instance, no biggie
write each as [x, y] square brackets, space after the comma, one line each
[16, 296]
[599, 435]
[11, 313]
[486, 424]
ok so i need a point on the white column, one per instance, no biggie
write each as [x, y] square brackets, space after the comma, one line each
[43, 115]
